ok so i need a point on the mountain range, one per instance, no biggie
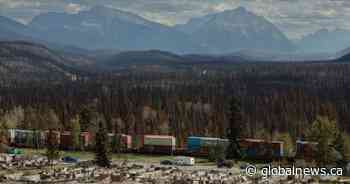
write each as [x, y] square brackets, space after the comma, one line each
[106, 31]
[106, 28]
[325, 41]
[235, 30]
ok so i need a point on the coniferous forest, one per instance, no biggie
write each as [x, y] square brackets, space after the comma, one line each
[275, 98]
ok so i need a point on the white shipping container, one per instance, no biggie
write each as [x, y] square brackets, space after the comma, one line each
[159, 140]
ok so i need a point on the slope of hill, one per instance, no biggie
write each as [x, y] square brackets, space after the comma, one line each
[256, 55]
[141, 58]
[234, 30]
[161, 61]
[29, 61]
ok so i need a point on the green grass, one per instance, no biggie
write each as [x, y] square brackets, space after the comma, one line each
[82, 155]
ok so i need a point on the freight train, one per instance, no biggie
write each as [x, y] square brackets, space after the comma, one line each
[157, 144]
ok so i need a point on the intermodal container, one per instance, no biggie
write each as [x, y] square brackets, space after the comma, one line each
[261, 149]
[66, 140]
[85, 140]
[306, 149]
[277, 147]
[137, 142]
[24, 138]
[158, 144]
[56, 136]
[159, 140]
[193, 144]
[196, 144]
[125, 141]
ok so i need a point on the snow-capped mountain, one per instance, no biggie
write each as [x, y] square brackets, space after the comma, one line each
[106, 28]
[234, 30]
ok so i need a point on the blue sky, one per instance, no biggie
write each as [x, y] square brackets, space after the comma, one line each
[295, 17]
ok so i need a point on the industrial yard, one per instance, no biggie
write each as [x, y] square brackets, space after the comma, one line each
[32, 167]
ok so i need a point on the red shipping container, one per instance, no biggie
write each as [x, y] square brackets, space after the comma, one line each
[86, 139]
[57, 137]
[66, 141]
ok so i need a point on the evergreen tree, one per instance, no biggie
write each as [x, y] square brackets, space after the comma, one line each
[326, 133]
[75, 123]
[341, 145]
[52, 147]
[101, 147]
[234, 129]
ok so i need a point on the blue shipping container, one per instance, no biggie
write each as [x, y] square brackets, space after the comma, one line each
[193, 144]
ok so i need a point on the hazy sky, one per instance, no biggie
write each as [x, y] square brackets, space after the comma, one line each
[294, 17]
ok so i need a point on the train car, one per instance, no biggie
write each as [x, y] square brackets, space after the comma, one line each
[137, 142]
[200, 146]
[306, 150]
[120, 142]
[125, 142]
[158, 144]
[11, 134]
[56, 137]
[23, 138]
[86, 140]
[27, 138]
[66, 141]
[111, 140]
[261, 149]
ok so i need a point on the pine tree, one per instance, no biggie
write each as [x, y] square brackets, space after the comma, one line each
[340, 145]
[234, 129]
[52, 151]
[326, 133]
[101, 148]
[75, 123]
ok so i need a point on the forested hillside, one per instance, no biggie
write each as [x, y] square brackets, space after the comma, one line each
[276, 98]
[29, 61]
